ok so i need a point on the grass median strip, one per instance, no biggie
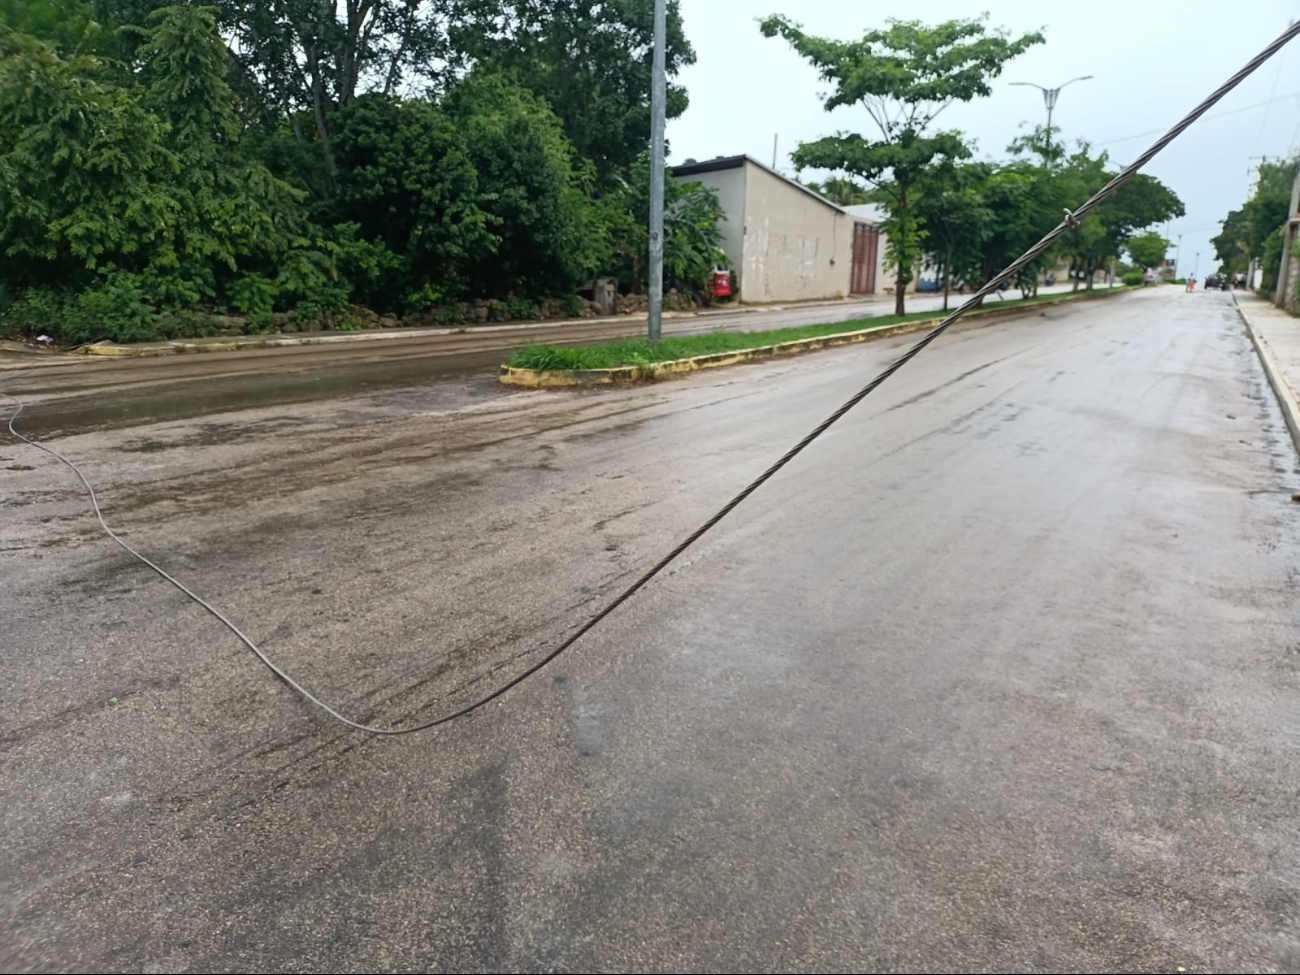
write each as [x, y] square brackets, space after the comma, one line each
[639, 352]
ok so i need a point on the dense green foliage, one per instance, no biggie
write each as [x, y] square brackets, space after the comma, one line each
[168, 168]
[1148, 250]
[977, 217]
[258, 157]
[1253, 232]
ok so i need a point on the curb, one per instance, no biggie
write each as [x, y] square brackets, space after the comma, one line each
[1287, 397]
[182, 347]
[550, 378]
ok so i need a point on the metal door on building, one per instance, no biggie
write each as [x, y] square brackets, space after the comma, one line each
[866, 250]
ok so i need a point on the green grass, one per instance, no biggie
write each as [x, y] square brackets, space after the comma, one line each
[639, 352]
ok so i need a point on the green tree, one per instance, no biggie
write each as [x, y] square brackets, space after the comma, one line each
[904, 76]
[534, 191]
[86, 175]
[1140, 202]
[590, 59]
[406, 179]
[303, 61]
[1013, 198]
[234, 213]
[693, 219]
[955, 217]
[67, 25]
[1147, 250]
[1251, 231]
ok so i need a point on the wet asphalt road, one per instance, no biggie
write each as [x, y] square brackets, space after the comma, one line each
[1002, 675]
[80, 393]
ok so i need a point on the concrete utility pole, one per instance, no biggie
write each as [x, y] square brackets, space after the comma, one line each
[658, 96]
[1050, 95]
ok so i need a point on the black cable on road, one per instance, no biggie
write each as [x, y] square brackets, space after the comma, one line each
[1070, 221]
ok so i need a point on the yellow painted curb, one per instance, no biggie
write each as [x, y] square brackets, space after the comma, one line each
[121, 351]
[546, 378]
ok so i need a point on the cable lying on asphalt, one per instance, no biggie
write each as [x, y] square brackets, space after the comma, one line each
[1070, 221]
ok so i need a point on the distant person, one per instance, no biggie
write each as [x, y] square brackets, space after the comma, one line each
[1149, 276]
[1191, 284]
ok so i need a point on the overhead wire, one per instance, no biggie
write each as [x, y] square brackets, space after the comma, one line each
[1208, 118]
[1070, 221]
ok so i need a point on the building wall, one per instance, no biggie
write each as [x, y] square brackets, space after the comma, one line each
[729, 184]
[795, 246]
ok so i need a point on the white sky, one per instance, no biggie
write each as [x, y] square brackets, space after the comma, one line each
[1151, 62]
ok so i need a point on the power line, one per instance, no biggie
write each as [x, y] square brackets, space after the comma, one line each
[1235, 111]
[1263, 125]
[1070, 222]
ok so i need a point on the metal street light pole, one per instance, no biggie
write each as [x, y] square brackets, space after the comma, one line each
[658, 96]
[1050, 95]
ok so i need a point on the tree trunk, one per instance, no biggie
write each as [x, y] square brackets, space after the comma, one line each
[900, 285]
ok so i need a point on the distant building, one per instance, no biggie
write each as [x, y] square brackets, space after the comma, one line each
[784, 241]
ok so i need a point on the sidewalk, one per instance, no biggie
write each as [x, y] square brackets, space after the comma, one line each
[1277, 340]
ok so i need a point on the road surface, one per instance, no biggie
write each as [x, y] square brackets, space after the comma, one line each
[1002, 675]
[93, 392]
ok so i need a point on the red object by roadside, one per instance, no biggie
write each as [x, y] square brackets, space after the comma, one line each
[722, 284]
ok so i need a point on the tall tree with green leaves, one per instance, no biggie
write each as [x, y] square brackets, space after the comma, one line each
[87, 178]
[534, 190]
[302, 61]
[1147, 250]
[955, 217]
[1251, 231]
[904, 76]
[235, 212]
[406, 180]
[590, 59]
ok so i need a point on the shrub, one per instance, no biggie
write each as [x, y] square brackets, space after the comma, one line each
[449, 315]
[254, 294]
[35, 311]
[521, 309]
[1133, 277]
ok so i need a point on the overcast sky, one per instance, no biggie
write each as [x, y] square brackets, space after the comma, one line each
[1151, 62]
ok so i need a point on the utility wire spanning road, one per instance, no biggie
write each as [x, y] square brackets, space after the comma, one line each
[1001, 675]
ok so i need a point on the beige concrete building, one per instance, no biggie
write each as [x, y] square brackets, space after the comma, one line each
[784, 241]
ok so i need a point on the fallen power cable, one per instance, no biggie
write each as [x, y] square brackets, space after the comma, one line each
[1069, 222]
